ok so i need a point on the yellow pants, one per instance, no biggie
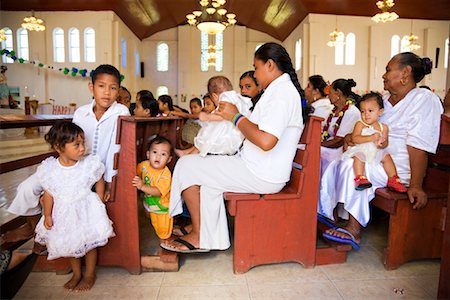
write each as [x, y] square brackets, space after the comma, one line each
[163, 225]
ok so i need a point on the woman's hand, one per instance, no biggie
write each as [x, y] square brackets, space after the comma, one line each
[375, 137]
[417, 197]
[348, 142]
[137, 182]
[226, 110]
[48, 222]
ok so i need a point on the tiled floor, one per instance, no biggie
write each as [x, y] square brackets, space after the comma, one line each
[210, 276]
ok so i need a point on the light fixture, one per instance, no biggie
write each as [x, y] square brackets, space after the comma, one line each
[2, 35]
[211, 55]
[212, 18]
[336, 37]
[33, 24]
[412, 44]
[385, 15]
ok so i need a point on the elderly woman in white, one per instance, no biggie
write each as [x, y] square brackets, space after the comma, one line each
[413, 116]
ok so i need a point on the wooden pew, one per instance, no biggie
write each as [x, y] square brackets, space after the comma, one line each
[135, 246]
[280, 227]
[444, 278]
[417, 233]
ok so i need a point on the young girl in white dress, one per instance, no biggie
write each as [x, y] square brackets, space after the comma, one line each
[371, 139]
[74, 221]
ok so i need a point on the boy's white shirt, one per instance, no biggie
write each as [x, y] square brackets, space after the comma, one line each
[101, 135]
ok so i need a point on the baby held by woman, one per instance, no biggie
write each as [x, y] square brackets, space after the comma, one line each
[218, 136]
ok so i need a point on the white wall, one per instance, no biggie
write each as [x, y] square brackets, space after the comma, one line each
[373, 48]
[49, 84]
[184, 75]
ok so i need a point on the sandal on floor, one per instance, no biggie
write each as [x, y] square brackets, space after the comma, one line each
[351, 240]
[191, 248]
[324, 220]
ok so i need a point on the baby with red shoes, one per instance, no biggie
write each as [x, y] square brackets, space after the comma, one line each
[371, 142]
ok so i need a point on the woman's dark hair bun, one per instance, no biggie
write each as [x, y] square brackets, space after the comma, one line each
[427, 65]
[351, 82]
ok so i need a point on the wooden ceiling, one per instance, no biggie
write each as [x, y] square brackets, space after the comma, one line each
[275, 17]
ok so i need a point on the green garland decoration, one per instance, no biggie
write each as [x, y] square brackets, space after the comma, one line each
[73, 71]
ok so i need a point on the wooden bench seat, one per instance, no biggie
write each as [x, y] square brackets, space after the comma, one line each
[417, 233]
[280, 227]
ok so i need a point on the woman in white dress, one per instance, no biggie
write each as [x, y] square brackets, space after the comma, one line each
[263, 165]
[413, 117]
[340, 120]
[316, 97]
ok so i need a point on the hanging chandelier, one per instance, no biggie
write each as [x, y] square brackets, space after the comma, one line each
[211, 55]
[336, 38]
[33, 24]
[212, 18]
[412, 42]
[385, 15]
[2, 35]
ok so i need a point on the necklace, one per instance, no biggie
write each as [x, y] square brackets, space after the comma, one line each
[340, 115]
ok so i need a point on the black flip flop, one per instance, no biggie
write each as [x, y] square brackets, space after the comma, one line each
[191, 248]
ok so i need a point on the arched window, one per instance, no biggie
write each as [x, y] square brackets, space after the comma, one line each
[395, 45]
[207, 53]
[162, 57]
[124, 53]
[298, 54]
[446, 53]
[339, 50]
[403, 44]
[74, 45]
[257, 46]
[350, 45]
[162, 90]
[8, 45]
[219, 52]
[204, 51]
[22, 44]
[58, 45]
[89, 45]
[138, 63]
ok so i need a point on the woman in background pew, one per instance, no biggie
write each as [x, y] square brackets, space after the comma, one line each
[340, 120]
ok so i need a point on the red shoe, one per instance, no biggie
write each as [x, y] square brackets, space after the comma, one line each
[395, 185]
[362, 183]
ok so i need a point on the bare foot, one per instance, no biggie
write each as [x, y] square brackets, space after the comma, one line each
[86, 283]
[73, 282]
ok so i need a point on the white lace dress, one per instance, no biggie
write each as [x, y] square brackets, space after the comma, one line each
[222, 137]
[367, 152]
[80, 221]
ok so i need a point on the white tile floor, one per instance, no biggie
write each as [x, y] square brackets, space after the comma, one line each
[210, 276]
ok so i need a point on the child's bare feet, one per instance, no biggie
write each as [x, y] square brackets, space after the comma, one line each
[73, 282]
[86, 283]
